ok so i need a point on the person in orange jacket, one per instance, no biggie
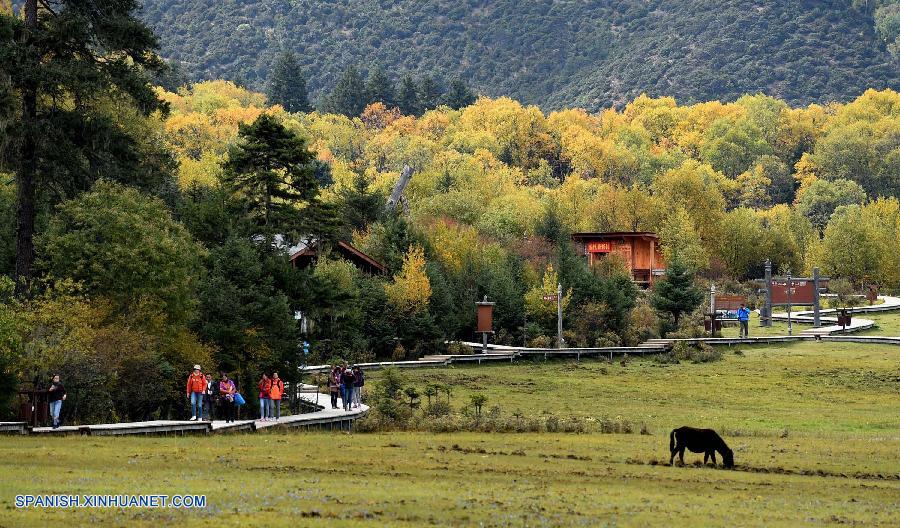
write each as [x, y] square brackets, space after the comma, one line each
[196, 386]
[275, 394]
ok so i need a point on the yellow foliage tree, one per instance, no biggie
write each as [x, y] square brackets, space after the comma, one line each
[537, 306]
[410, 290]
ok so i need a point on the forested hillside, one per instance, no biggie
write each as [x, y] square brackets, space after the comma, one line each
[555, 54]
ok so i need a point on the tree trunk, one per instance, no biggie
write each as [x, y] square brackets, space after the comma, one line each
[25, 213]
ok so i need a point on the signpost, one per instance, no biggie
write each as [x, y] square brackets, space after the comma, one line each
[559, 328]
[788, 291]
[485, 323]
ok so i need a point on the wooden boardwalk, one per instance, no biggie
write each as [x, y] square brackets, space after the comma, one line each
[332, 419]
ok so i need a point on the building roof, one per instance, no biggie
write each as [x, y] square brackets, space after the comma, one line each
[308, 247]
[616, 234]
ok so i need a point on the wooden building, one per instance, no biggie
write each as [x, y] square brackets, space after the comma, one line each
[306, 253]
[639, 250]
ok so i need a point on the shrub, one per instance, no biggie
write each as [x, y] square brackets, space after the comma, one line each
[541, 341]
[698, 353]
[399, 353]
[666, 359]
[552, 424]
[456, 348]
[437, 408]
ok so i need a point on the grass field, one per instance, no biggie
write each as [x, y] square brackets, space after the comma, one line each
[888, 324]
[815, 432]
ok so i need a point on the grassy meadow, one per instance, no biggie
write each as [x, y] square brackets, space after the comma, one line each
[815, 430]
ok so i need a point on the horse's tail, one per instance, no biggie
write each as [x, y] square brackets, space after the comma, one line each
[672, 440]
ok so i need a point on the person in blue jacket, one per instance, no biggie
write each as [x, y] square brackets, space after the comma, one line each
[743, 315]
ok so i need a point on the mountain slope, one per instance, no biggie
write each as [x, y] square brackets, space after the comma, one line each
[553, 53]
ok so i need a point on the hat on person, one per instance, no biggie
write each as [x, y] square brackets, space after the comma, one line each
[196, 367]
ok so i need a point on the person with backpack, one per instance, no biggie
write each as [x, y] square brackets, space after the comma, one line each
[275, 394]
[196, 386]
[334, 384]
[56, 394]
[347, 380]
[227, 390]
[265, 386]
[358, 383]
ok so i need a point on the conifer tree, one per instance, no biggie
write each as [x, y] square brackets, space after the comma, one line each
[380, 88]
[459, 95]
[287, 84]
[271, 169]
[430, 93]
[676, 294]
[74, 51]
[408, 96]
[349, 94]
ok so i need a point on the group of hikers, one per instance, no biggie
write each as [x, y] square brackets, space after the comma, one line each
[210, 398]
[347, 383]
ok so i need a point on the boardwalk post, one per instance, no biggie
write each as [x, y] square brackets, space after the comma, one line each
[816, 309]
[559, 336]
[767, 307]
[790, 326]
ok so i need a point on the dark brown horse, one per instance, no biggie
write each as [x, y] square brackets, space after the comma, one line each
[704, 441]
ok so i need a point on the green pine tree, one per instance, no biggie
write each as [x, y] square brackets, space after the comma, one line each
[349, 94]
[430, 93]
[380, 88]
[676, 294]
[459, 95]
[80, 52]
[287, 84]
[272, 170]
[408, 96]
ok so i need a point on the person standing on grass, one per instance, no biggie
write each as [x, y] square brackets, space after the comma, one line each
[347, 380]
[275, 394]
[56, 394]
[196, 386]
[358, 382]
[227, 390]
[334, 383]
[265, 386]
[743, 315]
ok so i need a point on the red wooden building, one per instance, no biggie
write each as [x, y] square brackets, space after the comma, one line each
[639, 250]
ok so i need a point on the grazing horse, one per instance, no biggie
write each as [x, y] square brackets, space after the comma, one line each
[704, 441]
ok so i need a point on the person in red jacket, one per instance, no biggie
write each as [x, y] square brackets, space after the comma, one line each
[196, 386]
[275, 394]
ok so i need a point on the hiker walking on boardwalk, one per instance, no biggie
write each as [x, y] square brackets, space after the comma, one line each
[265, 386]
[227, 390]
[275, 394]
[196, 386]
[56, 394]
[743, 315]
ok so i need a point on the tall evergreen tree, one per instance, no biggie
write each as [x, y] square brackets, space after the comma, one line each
[380, 88]
[430, 93]
[287, 84]
[676, 294]
[408, 96]
[71, 51]
[272, 170]
[349, 94]
[459, 95]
